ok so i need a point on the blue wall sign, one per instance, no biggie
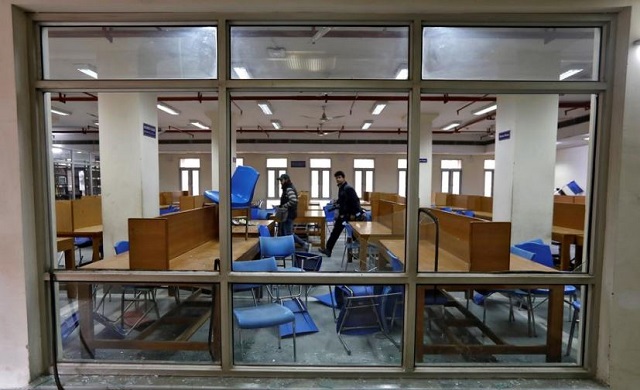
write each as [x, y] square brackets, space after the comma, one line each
[148, 130]
[504, 135]
[422, 160]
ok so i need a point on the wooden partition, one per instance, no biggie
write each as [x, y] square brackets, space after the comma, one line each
[78, 214]
[569, 215]
[64, 216]
[166, 198]
[303, 202]
[577, 199]
[153, 242]
[392, 215]
[483, 245]
[441, 199]
[376, 197]
[188, 202]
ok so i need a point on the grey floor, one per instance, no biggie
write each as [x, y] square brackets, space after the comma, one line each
[323, 348]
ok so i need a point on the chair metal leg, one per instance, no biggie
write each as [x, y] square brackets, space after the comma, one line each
[574, 321]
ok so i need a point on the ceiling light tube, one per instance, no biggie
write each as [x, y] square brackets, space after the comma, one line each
[167, 108]
[569, 73]
[451, 126]
[402, 73]
[320, 33]
[88, 69]
[198, 124]
[276, 124]
[241, 72]
[265, 107]
[485, 110]
[378, 107]
[366, 124]
[60, 111]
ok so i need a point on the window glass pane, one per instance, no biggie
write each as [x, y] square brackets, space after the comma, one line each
[129, 52]
[489, 164]
[276, 163]
[455, 181]
[358, 181]
[189, 163]
[320, 163]
[402, 183]
[315, 184]
[369, 181]
[488, 183]
[363, 163]
[239, 161]
[319, 52]
[451, 164]
[517, 53]
[402, 163]
[196, 182]
[271, 178]
[326, 194]
[445, 181]
[184, 180]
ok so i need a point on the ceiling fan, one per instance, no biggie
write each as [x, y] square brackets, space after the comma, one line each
[320, 132]
[324, 118]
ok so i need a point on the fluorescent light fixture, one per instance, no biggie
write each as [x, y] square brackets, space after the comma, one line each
[378, 107]
[96, 123]
[485, 110]
[265, 107]
[320, 33]
[569, 73]
[198, 124]
[56, 150]
[60, 111]
[276, 124]
[241, 72]
[402, 73]
[366, 124]
[586, 138]
[167, 108]
[451, 126]
[88, 69]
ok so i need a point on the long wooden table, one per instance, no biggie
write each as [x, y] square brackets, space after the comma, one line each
[93, 232]
[200, 258]
[450, 263]
[370, 232]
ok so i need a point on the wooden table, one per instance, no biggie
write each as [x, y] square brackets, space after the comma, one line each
[370, 232]
[239, 230]
[93, 232]
[566, 237]
[315, 217]
[66, 245]
[450, 263]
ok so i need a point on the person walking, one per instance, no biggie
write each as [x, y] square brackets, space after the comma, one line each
[289, 201]
[348, 205]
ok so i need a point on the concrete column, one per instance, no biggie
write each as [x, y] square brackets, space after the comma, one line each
[129, 167]
[526, 131]
[215, 152]
[426, 157]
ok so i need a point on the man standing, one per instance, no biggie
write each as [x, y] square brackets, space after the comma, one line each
[289, 200]
[348, 205]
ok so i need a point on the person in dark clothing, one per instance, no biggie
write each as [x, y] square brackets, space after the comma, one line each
[289, 200]
[348, 205]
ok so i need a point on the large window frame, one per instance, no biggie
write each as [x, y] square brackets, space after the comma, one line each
[410, 277]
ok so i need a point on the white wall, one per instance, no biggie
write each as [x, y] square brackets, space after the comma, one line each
[571, 164]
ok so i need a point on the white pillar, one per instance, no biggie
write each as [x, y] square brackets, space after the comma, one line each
[128, 162]
[426, 157]
[526, 131]
[215, 153]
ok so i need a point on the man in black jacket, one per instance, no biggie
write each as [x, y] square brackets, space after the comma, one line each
[348, 205]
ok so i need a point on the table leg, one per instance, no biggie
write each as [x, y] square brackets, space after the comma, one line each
[85, 315]
[70, 264]
[565, 251]
[554, 323]
[420, 323]
[364, 245]
[96, 242]
[323, 233]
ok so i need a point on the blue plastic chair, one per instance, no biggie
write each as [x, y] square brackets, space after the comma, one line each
[263, 231]
[576, 305]
[82, 242]
[243, 185]
[261, 316]
[280, 247]
[121, 247]
[468, 213]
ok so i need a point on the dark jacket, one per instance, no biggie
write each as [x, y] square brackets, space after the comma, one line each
[289, 199]
[348, 201]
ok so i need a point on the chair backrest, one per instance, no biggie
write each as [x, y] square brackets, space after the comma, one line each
[243, 185]
[262, 265]
[281, 246]
[522, 253]
[121, 247]
[396, 264]
[263, 231]
[542, 252]
[329, 216]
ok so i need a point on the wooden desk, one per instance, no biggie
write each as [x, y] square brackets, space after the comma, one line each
[450, 263]
[239, 230]
[197, 259]
[486, 215]
[93, 232]
[566, 237]
[65, 244]
[370, 232]
[316, 217]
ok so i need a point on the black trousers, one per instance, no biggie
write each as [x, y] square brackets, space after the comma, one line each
[338, 227]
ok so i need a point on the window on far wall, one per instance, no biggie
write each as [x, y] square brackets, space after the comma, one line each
[451, 172]
[402, 177]
[275, 168]
[363, 175]
[190, 175]
[239, 161]
[489, 168]
[320, 180]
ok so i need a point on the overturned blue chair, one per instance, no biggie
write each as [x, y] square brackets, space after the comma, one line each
[243, 185]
